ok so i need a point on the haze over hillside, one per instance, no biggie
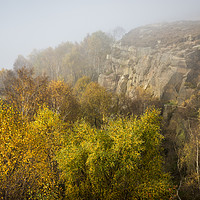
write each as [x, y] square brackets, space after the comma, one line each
[162, 33]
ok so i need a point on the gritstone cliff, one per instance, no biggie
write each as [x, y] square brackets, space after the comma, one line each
[161, 58]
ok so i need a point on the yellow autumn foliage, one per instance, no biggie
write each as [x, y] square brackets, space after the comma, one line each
[120, 161]
[27, 149]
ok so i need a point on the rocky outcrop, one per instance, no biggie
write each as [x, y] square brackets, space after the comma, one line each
[163, 59]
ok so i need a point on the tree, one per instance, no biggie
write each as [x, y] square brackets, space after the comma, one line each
[25, 92]
[182, 146]
[47, 137]
[143, 99]
[52, 61]
[81, 85]
[21, 62]
[62, 100]
[189, 163]
[28, 169]
[70, 61]
[12, 155]
[3, 73]
[75, 65]
[118, 32]
[46, 62]
[121, 161]
[96, 47]
[96, 104]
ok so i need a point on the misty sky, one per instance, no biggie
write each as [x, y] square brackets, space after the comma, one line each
[37, 24]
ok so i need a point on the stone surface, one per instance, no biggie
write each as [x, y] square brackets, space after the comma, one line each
[163, 59]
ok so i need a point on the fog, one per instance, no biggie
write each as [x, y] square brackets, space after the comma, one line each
[37, 24]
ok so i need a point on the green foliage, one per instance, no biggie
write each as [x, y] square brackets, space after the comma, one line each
[120, 161]
[81, 86]
[96, 104]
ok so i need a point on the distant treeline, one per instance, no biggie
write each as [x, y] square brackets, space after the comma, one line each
[70, 61]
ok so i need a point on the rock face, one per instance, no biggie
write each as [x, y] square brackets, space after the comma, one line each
[163, 59]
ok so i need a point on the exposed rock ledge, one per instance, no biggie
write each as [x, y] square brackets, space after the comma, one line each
[169, 66]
